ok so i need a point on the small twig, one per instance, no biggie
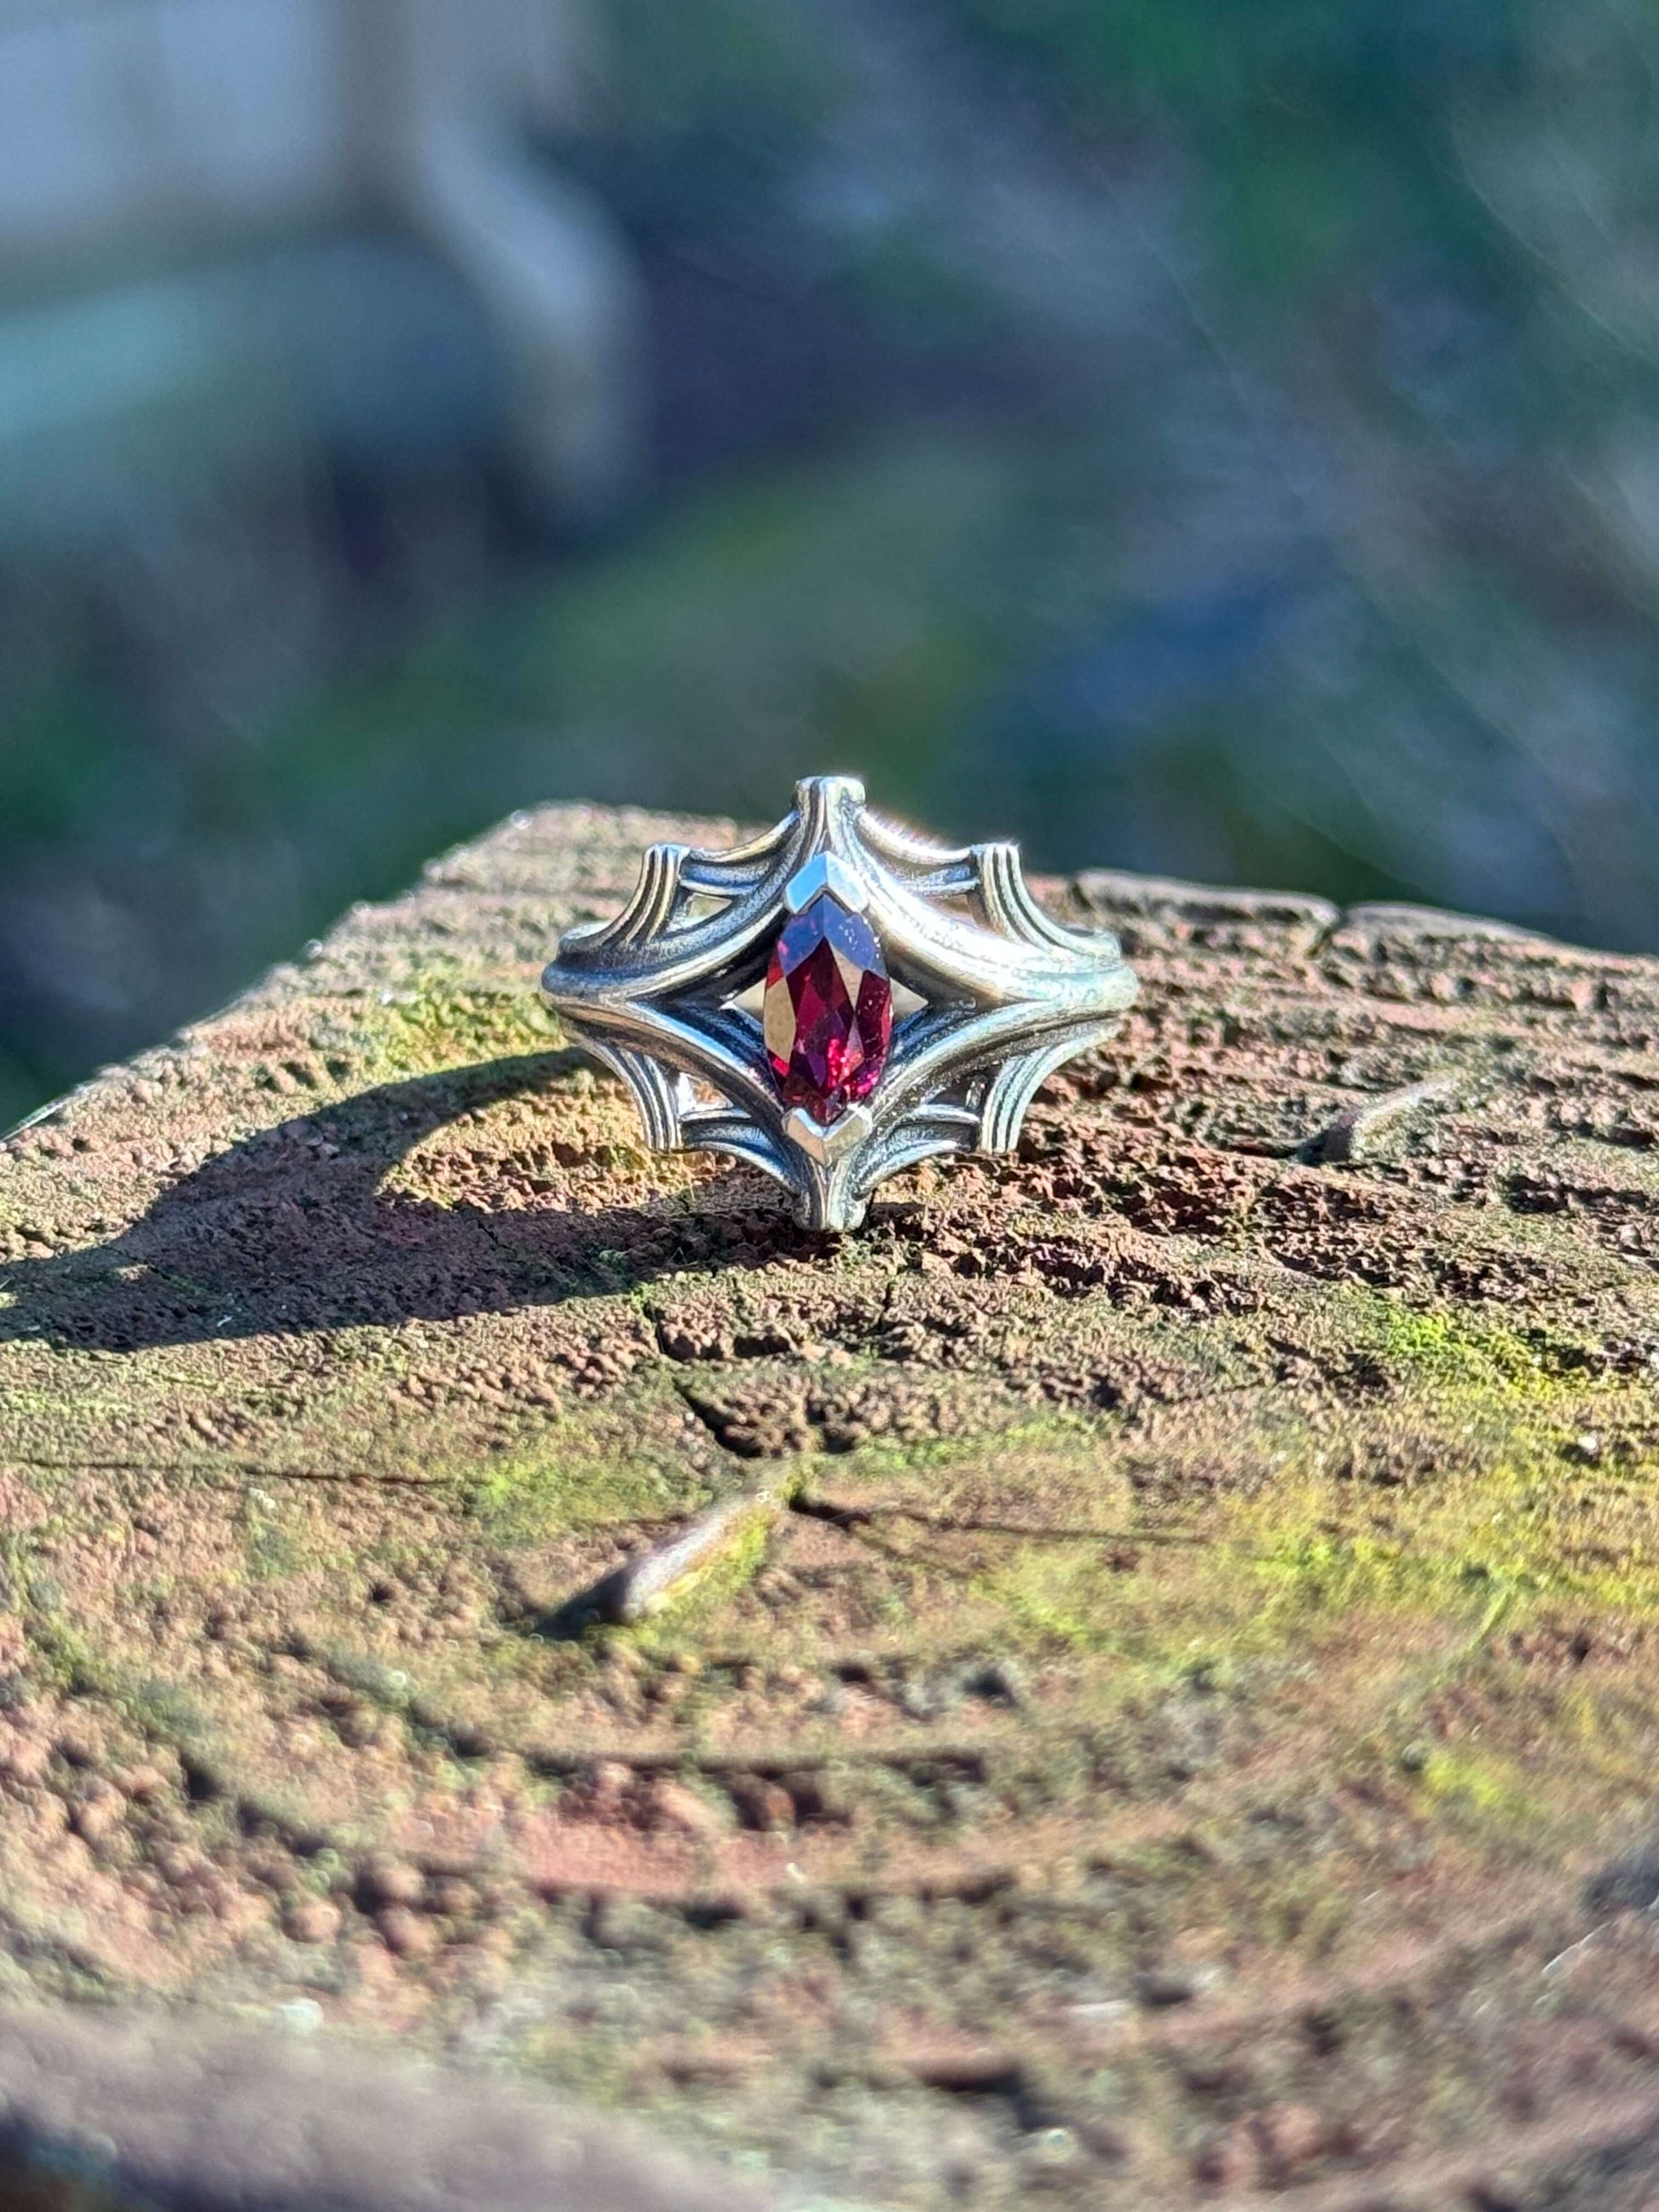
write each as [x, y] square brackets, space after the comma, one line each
[641, 1585]
[1346, 1138]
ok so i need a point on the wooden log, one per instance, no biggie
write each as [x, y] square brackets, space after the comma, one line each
[1143, 1679]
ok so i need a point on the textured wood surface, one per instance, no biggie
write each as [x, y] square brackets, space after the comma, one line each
[1168, 1708]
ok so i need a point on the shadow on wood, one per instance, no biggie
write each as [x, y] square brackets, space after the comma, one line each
[291, 1231]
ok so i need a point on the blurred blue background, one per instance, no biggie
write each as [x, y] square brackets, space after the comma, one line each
[1215, 436]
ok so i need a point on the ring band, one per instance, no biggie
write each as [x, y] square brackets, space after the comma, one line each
[835, 1001]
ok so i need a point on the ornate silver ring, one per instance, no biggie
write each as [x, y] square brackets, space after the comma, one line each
[837, 1000]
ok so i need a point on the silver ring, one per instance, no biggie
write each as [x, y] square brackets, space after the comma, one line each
[837, 1000]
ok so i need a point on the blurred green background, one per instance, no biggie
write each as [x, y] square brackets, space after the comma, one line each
[1213, 436]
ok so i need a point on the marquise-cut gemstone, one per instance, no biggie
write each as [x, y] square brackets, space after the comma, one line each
[828, 1012]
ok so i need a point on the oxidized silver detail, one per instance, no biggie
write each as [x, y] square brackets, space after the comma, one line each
[1009, 996]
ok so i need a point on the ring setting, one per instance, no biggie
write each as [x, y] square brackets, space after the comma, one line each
[837, 1000]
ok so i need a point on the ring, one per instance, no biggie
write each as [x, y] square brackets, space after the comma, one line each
[837, 1000]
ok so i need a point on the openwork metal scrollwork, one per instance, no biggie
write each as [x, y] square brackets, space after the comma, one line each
[837, 1000]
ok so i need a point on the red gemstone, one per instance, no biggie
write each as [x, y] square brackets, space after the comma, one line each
[828, 1014]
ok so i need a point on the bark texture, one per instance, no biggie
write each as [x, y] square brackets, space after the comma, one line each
[1131, 1681]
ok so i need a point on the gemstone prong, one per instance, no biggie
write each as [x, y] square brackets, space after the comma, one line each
[827, 1144]
[824, 873]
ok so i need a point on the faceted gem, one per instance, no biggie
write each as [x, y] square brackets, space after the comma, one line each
[827, 1016]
